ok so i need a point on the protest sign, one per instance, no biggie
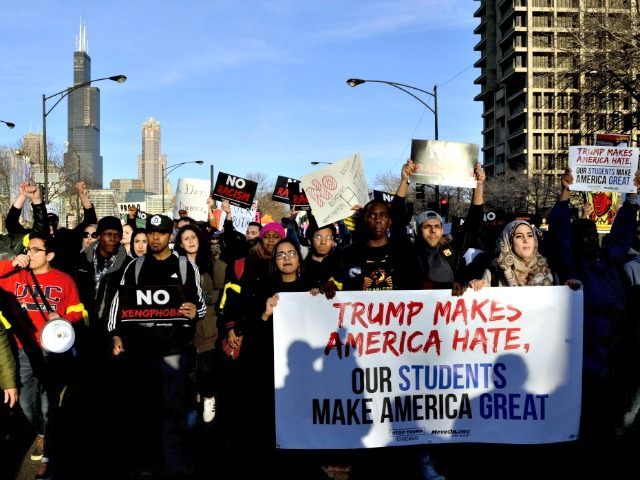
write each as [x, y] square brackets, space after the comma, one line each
[297, 198]
[383, 196]
[605, 206]
[334, 190]
[239, 191]
[192, 195]
[444, 163]
[613, 139]
[159, 304]
[281, 190]
[395, 368]
[603, 169]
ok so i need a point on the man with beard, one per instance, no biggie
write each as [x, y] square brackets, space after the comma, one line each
[159, 354]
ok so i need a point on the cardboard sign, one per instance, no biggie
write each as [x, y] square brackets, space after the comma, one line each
[192, 195]
[156, 305]
[383, 196]
[444, 163]
[281, 190]
[334, 190]
[239, 191]
[603, 168]
[297, 198]
[398, 368]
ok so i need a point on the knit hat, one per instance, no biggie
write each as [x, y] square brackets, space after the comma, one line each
[159, 223]
[273, 227]
[427, 215]
[109, 223]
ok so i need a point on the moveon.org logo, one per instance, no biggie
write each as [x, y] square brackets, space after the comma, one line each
[452, 432]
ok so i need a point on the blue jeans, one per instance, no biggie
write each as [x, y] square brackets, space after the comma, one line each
[34, 398]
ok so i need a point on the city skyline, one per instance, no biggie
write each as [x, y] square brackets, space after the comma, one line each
[251, 87]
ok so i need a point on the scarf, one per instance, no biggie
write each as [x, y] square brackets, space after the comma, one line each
[517, 271]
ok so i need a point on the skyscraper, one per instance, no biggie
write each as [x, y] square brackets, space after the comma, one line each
[83, 120]
[531, 91]
[151, 162]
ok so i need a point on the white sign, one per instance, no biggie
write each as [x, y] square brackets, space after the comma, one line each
[603, 168]
[241, 217]
[192, 195]
[444, 163]
[123, 207]
[335, 189]
[374, 369]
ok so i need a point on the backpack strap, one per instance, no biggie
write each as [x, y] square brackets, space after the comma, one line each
[182, 260]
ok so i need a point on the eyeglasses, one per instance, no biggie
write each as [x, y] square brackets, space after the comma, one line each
[320, 237]
[89, 234]
[289, 254]
[34, 250]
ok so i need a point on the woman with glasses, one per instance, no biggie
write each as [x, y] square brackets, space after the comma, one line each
[323, 261]
[89, 235]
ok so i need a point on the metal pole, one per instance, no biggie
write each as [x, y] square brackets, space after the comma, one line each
[163, 169]
[435, 114]
[45, 168]
[212, 181]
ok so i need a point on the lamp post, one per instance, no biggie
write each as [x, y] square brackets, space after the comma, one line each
[62, 94]
[354, 82]
[170, 168]
[75, 154]
[8, 124]
[318, 163]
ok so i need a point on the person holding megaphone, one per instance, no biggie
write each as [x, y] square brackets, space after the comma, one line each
[44, 294]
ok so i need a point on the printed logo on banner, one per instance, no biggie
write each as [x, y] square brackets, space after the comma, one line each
[239, 191]
[281, 190]
[157, 305]
[297, 197]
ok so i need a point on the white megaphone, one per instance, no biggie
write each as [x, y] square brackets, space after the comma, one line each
[57, 335]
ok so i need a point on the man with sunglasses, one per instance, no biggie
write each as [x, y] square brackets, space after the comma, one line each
[57, 290]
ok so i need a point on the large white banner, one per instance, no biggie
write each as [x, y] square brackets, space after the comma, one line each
[192, 195]
[444, 163]
[374, 369]
[333, 191]
[603, 169]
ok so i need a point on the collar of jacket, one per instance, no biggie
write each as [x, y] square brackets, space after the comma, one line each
[121, 256]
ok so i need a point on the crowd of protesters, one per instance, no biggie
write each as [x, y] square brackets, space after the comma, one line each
[141, 384]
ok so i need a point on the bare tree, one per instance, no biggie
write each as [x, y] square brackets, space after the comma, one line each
[264, 192]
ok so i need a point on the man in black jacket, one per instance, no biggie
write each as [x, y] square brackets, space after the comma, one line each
[18, 237]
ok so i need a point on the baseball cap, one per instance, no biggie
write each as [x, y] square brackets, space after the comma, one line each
[159, 223]
[428, 215]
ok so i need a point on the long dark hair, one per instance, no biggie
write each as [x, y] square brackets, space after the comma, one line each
[203, 255]
[134, 234]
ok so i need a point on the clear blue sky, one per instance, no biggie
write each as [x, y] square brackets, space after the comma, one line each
[247, 85]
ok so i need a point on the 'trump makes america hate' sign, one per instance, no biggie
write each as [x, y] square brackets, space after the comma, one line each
[373, 369]
[239, 191]
[601, 168]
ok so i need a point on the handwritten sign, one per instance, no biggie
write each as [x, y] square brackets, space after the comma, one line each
[191, 195]
[444, 163]
[333, 190]
[239, 191]
[603, 168]
[373, 369]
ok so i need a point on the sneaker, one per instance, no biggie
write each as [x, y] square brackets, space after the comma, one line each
[38, 448]
[43, 472]
[209, 409]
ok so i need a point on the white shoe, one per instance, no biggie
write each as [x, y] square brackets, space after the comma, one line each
[209, 409]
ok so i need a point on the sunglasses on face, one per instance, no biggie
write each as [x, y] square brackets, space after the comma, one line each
[89, 234]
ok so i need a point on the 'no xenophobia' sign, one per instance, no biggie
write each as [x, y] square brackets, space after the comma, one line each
[239, 191]
[374, 369]
[603, 169]
[139, 304]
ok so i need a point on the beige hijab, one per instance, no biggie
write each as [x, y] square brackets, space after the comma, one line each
[517, 271]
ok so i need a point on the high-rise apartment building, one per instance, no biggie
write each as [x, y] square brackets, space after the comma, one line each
[84, 119]
[533, 107]
[151, 163]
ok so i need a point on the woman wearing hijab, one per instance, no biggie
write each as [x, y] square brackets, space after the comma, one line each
[519, 263]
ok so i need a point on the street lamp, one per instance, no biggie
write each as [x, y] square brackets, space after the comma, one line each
[354, 82]
[45, 112]
[170, 168]
[68, 144]
[318, 163]
[8, 124]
